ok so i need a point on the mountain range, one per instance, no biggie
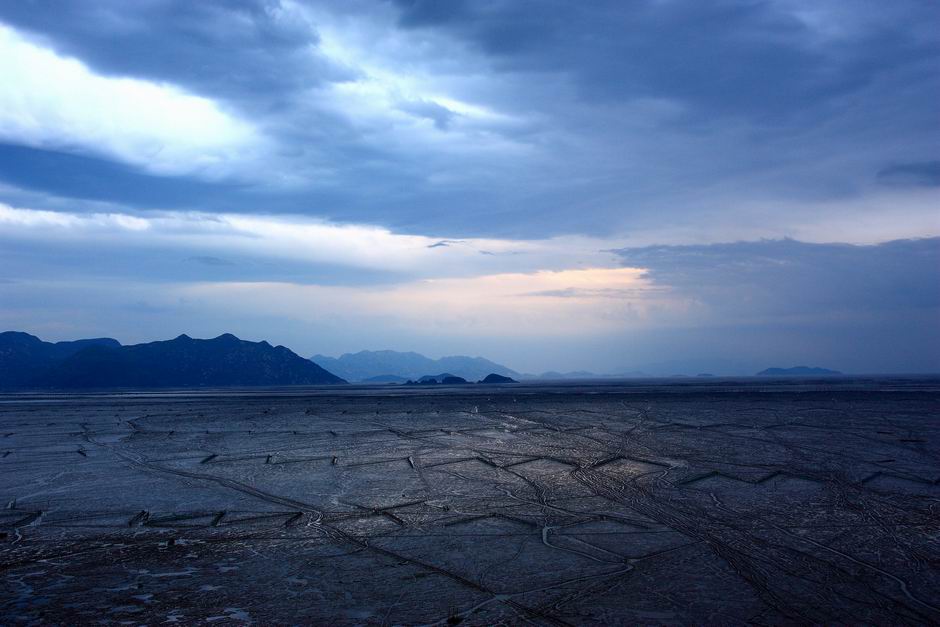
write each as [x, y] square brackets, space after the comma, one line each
[384, 366]
[28, 362]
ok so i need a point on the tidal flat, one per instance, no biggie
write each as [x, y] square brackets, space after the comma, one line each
[654, 502]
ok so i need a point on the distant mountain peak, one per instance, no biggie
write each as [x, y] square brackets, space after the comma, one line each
[383, 364]
[28, 362]
[22, 335]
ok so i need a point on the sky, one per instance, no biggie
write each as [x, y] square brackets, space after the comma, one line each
[672, 186]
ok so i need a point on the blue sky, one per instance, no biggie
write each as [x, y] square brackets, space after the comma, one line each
[666, 184]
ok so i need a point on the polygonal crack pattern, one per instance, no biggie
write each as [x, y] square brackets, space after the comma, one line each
[510, 505]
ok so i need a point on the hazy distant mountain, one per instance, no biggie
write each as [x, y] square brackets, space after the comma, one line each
[181, 362]
[365, 365]
[797, 371]
[24, 357]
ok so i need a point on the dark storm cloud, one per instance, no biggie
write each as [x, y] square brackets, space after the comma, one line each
[249, 52]
[94, 178]
[87, 177]
[755, 58]
[783, 277]
[608, 114]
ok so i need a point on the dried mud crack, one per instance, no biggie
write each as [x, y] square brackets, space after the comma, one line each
[549, 505]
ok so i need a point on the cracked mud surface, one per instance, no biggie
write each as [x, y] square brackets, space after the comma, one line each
[721, 503]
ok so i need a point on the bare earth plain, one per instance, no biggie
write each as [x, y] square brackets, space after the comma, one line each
[718, 502]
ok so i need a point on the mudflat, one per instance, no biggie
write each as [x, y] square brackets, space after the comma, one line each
[718, 502]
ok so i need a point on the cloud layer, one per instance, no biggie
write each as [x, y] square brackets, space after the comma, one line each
[474, 117]
[57, 103]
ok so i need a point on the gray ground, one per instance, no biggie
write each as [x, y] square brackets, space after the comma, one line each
[715, 503]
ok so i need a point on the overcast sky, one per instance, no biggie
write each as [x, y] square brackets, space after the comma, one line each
[670, 185]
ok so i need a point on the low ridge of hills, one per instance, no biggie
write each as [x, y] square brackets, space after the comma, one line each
[449, 379]
[28, 362]
[444, 377]
[369, 366]
[797, 371]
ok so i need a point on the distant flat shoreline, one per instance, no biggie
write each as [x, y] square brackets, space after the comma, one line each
[666, 385]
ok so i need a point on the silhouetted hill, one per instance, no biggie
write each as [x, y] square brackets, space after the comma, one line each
[432, 379]
[181, 362]
[797, 371]
[437, 378]
[365, 365]
[444, 377]
[495, 378]
[24, 357]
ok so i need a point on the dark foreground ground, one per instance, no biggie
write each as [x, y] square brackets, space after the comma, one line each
[720, 503]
